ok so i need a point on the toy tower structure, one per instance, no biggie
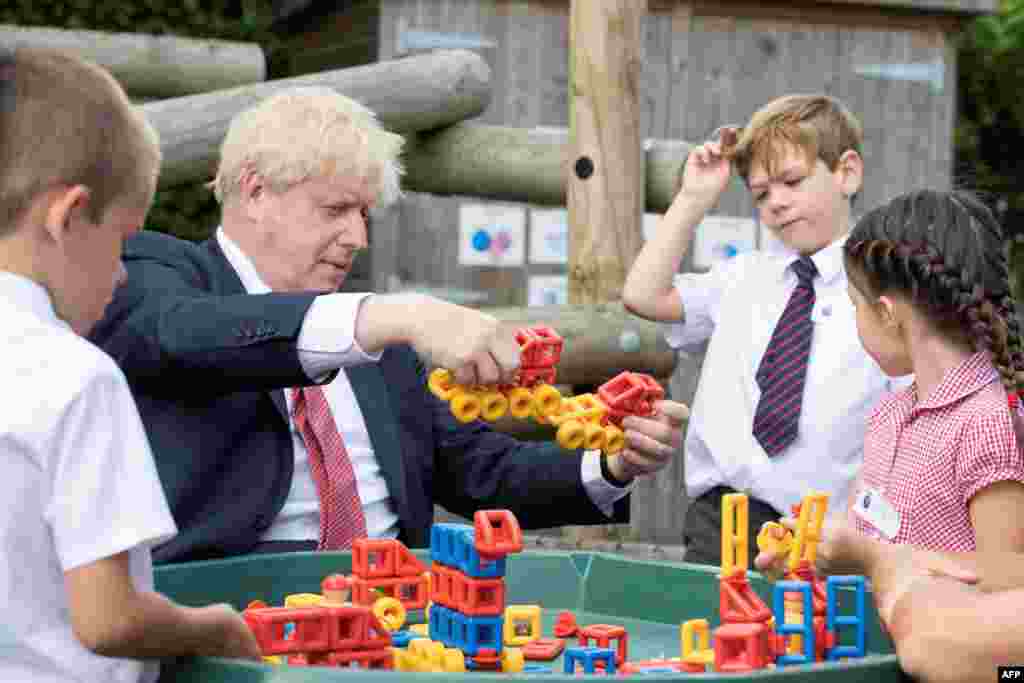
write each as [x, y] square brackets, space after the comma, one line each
[468, 587]
[743, 642]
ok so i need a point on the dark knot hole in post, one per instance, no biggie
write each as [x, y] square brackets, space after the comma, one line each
[584, 168]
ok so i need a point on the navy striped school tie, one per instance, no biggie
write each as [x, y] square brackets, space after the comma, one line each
[784, 365]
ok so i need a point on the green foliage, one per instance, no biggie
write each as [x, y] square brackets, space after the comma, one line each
[990, 125]
[191, 211]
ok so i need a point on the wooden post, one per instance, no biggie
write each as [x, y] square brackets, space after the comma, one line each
[606, 183]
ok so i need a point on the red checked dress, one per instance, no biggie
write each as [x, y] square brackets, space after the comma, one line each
[930, 458]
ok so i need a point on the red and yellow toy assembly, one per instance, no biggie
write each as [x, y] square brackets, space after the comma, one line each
[590, 421]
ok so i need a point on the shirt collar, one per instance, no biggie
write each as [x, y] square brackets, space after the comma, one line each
[242, 264]
[828, 261]
[29, 295]
[968, 377]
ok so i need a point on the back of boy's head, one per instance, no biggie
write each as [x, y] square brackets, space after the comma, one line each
[818, 125]
[945, 252]
[65, 121]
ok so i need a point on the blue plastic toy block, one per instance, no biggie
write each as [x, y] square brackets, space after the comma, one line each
[833, 621]
[533, 668]
[402, 638]
[469, 561]
[588, 657]
[444, 626]
[443, 537]
[805, 629]
[477, 633]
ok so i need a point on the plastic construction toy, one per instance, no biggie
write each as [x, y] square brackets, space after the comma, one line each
[803, 626]
[594, 421]
[468, 612]
[531, 395]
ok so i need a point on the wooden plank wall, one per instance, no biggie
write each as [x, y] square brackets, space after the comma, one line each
[702, 68]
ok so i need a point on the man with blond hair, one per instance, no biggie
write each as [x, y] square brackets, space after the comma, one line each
[288, 416]
[81, 497]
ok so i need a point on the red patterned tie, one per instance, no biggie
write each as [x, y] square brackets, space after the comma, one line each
[784, 365]
[341, 512]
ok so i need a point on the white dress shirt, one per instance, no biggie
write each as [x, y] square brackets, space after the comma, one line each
[79, 484]
[326, 342]
[737, 305]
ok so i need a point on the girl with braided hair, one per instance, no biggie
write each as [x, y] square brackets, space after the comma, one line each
[943, 458]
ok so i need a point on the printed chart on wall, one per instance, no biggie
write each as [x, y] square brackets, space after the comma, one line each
[549, 234]
[719, 238]
[492, 235]
[547, 290]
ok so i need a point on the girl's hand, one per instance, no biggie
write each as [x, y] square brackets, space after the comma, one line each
[836, 552]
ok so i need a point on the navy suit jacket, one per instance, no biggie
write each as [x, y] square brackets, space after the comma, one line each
[208, 364]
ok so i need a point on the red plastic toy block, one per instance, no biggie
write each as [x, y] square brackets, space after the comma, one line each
[543, 649]
[383, 558]
[645, 665]
[442, 585]
[738, 603]
[317, 629]
[741, 647]
[630, 393]
[603, 634]
[411, 591]
[539, 347]
[478, 597]
[565, 625]
[496, 534]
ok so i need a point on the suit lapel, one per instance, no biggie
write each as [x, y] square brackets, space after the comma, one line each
[226, 281]
[370, 388]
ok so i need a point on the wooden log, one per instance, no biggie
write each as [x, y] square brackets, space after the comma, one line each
[408, 95]
[158, 66]
[601, 340]
[606, 188]
[522, 164]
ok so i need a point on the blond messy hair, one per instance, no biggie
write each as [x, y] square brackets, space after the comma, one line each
[66, 121]
[304, 133]
[818, 125]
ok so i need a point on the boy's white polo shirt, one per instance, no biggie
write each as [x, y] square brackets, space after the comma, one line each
[737, 305]
[78, 485]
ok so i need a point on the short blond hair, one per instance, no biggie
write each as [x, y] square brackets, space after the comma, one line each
[819, 125]
[66, 121]
[309, 132]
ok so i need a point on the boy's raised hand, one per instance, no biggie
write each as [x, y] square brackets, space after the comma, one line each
[707, 170]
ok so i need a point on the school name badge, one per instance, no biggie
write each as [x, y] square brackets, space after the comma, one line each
[872, 507]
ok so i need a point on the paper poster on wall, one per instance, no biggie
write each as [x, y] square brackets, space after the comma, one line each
[547, 290]
[722, 237]
[549, 235]
[491, 235]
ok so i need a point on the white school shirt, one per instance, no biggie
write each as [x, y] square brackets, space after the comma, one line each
[326, 343]
[78, 485]
[737, 305]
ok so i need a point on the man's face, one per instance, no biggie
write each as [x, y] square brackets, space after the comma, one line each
[802, 203]
[312, 231]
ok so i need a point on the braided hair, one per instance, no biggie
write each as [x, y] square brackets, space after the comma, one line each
[945, 251]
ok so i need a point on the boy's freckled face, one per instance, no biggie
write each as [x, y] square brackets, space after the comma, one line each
[801, 203]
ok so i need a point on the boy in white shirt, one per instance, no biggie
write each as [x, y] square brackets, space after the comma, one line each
[82, 503]
[786, 387]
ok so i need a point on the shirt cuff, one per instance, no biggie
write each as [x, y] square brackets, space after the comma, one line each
[327, 338]
[603, 494]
